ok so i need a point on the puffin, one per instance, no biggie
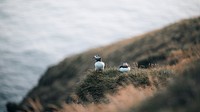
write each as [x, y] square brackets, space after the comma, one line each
[124, 68]
[99, 65]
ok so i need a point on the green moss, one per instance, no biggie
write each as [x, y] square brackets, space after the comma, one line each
[96, 84]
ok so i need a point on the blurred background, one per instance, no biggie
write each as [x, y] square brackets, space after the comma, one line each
[35, 34]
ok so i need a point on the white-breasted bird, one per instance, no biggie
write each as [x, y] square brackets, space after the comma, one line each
[124, 68]
[99, 65]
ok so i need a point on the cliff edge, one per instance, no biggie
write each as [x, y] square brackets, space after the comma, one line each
[161, 47]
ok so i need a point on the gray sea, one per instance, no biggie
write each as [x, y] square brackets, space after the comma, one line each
[35, 34]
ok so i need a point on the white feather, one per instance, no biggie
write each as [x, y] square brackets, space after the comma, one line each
[124, 69]
[99, 66]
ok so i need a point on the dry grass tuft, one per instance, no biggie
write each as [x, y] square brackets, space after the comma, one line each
[119, 102]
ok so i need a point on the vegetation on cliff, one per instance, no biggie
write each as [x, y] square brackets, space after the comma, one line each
[167, 47]
[94, 87]
[181, 96]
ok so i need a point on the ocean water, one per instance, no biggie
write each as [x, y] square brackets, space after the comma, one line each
[35, 34]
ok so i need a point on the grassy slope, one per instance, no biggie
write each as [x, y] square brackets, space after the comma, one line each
[181, 96]
[60, 80]
[94, 87]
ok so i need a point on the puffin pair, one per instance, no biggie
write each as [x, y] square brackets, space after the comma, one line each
[99, 65]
